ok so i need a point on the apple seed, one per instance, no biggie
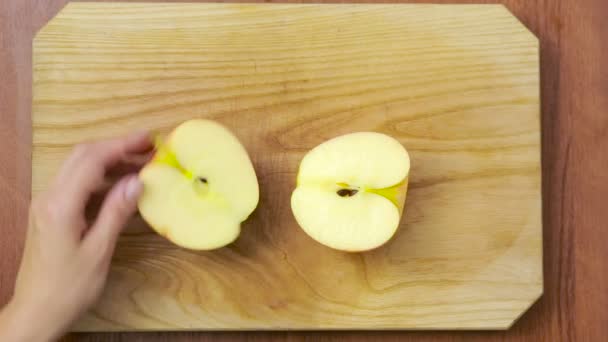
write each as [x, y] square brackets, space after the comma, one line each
[347, 192]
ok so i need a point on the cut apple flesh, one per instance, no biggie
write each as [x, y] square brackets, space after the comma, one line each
[199, 187]
[351, 191]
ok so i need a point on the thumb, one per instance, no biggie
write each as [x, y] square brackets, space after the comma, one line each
[120, 203]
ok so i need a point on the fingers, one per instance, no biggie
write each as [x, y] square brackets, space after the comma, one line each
[117, 208]
[131, 164]
[105, 153]
[84, 171]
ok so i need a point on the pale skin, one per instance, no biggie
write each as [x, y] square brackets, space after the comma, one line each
[67, 256]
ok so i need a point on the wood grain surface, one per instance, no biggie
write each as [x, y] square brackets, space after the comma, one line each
[573, 38]
[457, 85]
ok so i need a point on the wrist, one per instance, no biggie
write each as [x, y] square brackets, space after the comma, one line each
[16, 324]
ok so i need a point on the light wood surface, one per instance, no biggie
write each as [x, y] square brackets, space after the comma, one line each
[457, 85]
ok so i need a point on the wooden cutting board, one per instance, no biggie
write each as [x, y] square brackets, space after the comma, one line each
[457, 85]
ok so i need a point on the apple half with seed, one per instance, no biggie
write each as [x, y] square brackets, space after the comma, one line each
[351, 191]
[199, 186]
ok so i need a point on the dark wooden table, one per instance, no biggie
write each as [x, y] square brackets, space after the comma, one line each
[574, 72]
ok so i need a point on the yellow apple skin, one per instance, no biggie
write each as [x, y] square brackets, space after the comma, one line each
[396, 194]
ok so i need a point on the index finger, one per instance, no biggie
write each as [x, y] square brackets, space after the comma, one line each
[84, 170]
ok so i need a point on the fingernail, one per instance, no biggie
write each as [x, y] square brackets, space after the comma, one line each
[138, 136]
[133, 188]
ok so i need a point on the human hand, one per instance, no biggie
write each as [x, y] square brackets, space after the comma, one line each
[66, 259]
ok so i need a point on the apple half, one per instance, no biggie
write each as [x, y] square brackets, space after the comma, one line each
[351, 191]
[199, 186]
